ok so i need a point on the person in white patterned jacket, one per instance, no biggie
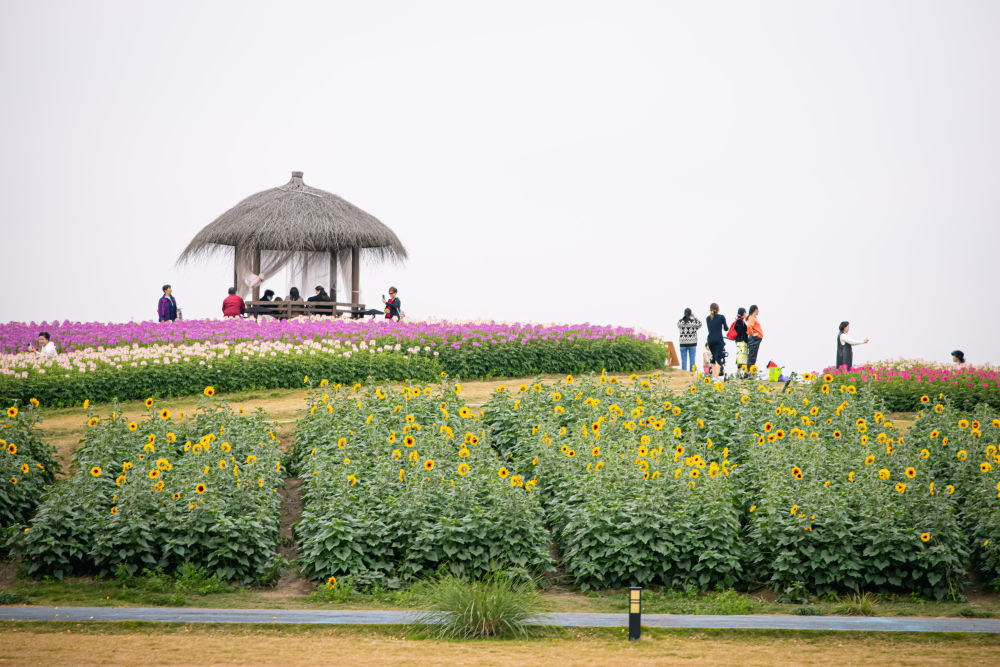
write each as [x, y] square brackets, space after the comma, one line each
[688, 339]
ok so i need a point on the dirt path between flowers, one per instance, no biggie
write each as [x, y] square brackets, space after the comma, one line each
[187, 645]
[292, 582]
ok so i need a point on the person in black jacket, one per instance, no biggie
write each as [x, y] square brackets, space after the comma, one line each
[320, 295]
[742, 342]
[716, 325]
[393, 307]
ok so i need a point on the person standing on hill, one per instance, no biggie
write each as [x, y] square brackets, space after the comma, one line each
[393, 307]
[716, 325]
[845, 346]
[688, 339]
[233, 305]
[167, 308]
[754, 335]
[742, 357]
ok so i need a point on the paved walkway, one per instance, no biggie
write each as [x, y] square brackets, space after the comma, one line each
[380, 617]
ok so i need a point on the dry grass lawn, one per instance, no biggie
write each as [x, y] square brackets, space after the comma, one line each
[330, 646]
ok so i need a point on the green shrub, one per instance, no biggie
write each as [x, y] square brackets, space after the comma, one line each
[27, 465]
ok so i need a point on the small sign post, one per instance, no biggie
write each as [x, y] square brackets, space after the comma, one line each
[634, 613]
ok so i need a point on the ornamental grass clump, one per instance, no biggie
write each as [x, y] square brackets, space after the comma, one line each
[499, 606]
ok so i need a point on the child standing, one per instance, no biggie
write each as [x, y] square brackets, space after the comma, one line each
[706, 359]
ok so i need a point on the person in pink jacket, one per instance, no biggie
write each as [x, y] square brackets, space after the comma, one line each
[232, 305]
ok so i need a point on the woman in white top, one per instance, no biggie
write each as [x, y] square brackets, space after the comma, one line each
[845, 352]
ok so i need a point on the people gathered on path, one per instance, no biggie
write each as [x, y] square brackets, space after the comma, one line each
[688, 338]
[845, 346]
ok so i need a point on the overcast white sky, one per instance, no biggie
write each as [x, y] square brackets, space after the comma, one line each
[548, 161]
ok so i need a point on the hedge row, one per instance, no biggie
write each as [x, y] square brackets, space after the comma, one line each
[286, 370]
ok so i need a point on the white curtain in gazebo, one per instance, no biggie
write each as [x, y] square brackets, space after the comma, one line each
[305, 271]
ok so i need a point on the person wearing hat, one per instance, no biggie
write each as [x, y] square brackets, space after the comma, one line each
[167, 308]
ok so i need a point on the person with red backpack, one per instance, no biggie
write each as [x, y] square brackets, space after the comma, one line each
[738, 333]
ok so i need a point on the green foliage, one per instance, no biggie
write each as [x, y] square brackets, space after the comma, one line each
[10, 597]
[27, 465]
[808, 610]
[226, 373]
[187, 579]
[497, 606]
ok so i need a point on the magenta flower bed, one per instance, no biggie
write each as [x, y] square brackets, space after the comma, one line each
[903, 383]
[69, 336]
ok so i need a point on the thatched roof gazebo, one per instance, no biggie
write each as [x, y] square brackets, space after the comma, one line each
[299, 227]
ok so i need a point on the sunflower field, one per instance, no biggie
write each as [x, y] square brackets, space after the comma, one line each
[402, 483]
[803, 488]
[164, 492]
[744, 485]
[27, 465]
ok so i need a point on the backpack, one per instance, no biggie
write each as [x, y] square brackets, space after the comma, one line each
[732, 331]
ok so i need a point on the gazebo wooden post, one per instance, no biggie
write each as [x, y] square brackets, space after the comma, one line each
[255, 267]
[355, 278]
[236, 266]
[333, 276]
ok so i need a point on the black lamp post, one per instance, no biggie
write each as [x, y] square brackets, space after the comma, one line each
[634, 613]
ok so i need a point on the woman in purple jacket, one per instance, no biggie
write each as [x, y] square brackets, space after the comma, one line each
[167, 308]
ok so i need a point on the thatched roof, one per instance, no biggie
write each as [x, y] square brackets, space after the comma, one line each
[292, 217]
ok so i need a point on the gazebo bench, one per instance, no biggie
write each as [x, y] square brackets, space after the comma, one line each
[284, 310]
